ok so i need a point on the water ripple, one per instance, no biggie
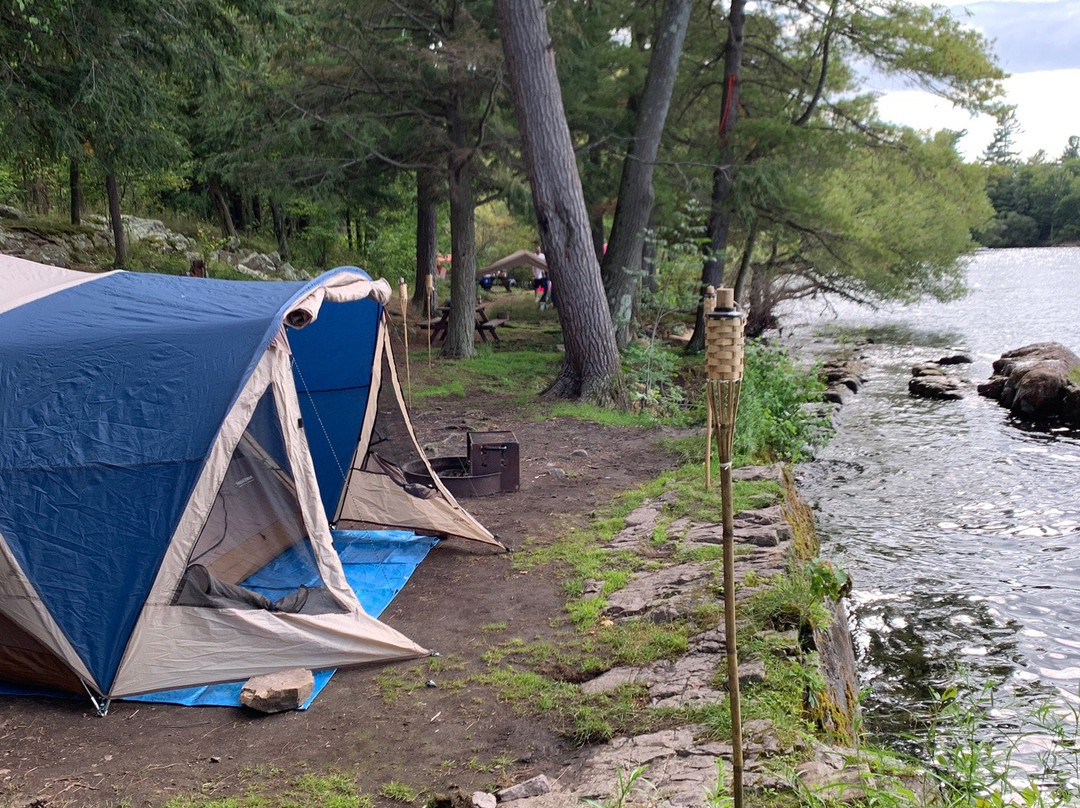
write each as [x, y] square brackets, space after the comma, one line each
[955, 519]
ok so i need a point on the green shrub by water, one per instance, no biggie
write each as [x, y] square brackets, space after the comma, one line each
[776, 419]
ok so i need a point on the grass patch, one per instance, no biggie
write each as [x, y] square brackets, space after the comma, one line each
[583, 718]
[398, 792]
[518, 374]
[309, 790]
[599, 415]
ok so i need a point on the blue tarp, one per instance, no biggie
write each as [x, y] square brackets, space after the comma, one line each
[377, 565]
[115, 390]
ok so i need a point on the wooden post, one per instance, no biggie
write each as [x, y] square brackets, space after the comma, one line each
[723, 371]
[430, 295]
[709, 305]
[403, 295]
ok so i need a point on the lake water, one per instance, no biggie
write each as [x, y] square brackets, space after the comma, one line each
[959, 524]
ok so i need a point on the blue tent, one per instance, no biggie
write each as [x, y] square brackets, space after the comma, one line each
[164, 441]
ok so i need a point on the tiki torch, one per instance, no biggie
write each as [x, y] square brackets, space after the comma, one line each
[723, 372]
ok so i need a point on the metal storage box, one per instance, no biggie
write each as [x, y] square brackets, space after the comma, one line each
[491, 452]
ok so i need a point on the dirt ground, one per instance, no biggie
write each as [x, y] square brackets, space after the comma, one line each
[434, 739]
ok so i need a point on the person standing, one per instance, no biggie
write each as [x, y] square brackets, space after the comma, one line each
[538, 274]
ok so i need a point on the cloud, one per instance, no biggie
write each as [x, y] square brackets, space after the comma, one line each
[1045, 107]
[1028, 36]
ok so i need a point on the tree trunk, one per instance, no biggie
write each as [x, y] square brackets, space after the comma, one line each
[427, 236]
[712, 270]
[228, 229]
[112, 191]
[745, 266]
[591, 369]
[460, 331]
[76, 191]
[621, 269]
[277, 215]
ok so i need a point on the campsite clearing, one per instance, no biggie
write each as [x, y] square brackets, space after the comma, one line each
[381, 725]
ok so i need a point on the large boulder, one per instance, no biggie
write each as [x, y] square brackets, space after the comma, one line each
[1033, 382]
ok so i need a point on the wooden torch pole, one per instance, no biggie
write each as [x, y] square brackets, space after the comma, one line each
[430, 295]
[723, 370]
[403, 296]
[709, 305]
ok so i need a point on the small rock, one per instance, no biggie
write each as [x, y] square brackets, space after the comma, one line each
[955, 359]
[591, 589]
[557, 473]
[580, 453]
[8, 212]
[215, 759]
[481, 799]
[927, 370]
[839, 394]
[277, 692]
[775, 473]
[751, 672]
[529, 788]
[664, 614]
[940, 387]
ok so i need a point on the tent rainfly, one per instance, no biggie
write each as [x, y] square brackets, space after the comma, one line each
[165, 443]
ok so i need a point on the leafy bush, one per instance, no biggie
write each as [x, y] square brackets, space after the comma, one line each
[775, 422]
[651, 372]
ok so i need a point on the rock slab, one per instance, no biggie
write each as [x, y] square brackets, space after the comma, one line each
[277, 692]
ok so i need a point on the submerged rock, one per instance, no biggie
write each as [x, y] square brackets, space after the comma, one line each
[939, 387]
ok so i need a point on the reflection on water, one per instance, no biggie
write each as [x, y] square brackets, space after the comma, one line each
[957, 522]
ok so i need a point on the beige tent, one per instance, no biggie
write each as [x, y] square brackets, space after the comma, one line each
[521, 258]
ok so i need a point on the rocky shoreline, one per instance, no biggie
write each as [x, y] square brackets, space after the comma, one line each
[682, 766]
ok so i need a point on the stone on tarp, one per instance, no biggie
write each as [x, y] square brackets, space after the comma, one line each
[277, 692]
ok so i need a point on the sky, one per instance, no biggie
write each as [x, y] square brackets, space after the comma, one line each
[1037, 42]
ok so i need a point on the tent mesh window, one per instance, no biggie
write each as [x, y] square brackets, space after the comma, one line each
[253, 551]
[392, 451]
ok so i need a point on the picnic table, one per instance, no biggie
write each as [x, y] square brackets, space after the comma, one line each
[484, 325]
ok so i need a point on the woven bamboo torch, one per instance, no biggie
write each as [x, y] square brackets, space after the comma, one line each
[723, 372]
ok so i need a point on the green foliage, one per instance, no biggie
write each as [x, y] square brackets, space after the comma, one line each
[826, 580]
[398, 792]
[652, 376]
[1035, 203]
[775, 421]
[311, 790]
[626, 786]
[791, 601]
